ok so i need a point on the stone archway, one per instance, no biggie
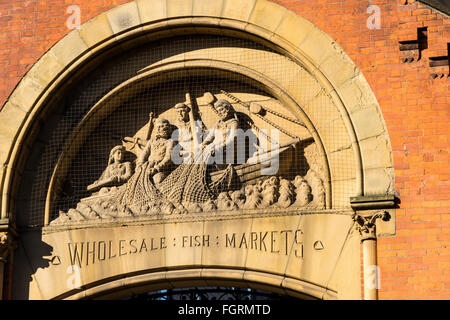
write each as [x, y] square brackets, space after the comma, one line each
[314, 58]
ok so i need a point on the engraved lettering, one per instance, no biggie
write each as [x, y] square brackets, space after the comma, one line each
[243, 241]
[162, 243]
[206, 240]
[230, 241]
[261, 241]
[299, 242]
[272, 242]
[76, 255]
[121, 248]
[286, 239]
[197, 241]
[152, 246]
[133, 246]
[110, 255]
[143, 246]
[90, 252]
[254, 238]
[101, 251]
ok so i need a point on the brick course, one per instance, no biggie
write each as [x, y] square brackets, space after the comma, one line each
[415, 264]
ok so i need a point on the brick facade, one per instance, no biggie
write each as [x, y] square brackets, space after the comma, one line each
[413, 96]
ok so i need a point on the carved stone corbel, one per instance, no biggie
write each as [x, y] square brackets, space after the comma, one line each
[366, 224]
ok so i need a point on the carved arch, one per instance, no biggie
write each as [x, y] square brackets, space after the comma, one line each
[135, 284]
[137, 22]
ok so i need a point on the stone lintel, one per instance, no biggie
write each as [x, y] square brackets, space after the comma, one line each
[372, 202]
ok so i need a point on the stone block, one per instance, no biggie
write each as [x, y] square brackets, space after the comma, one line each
[96, 30]
[69, 48]
[385, 229]
[322, 238]
[217, 277]
[335, 136]
[367, 123]
[26, 93]
[316, 46]
[321, 109]
[271, 243]
[179, 8]
[151, 10]
[308, 291]
[337, 66]
[294, 28]
[225, 248]
[124, 17]
[356, 94]
[208, 8]
[46, 69]
[11, 118]
[238, 9]
[264, 281]
[378, 181]
[376, 152]
[267, 14]
[5, 145]
[346, 278]
[184, 243]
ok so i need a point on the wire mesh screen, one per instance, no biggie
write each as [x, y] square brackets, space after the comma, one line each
[106, 113]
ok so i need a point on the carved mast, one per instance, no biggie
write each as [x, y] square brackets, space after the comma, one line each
[192, 119]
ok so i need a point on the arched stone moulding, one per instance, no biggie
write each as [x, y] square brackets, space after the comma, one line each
[143, 20]
[136, 284]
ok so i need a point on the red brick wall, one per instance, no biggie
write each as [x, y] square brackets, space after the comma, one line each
[416, 263]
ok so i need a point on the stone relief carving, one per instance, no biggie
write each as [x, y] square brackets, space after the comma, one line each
[158, 185]
[7, 245]
[116, 173]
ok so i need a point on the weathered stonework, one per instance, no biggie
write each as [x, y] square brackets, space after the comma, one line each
[307, 215]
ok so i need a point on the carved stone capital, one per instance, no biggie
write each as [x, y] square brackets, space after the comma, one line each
[366, 224]
[7, 244]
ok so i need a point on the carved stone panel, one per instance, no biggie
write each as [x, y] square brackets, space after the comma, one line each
[222, 152]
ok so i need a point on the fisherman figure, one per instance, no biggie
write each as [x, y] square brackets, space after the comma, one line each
[152, 167]
[157, 152]
[116, 173]
[183, 151]
[221, 138]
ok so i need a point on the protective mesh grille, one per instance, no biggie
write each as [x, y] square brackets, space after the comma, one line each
[131, 115]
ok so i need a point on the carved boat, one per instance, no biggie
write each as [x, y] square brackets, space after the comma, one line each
[278, 161]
